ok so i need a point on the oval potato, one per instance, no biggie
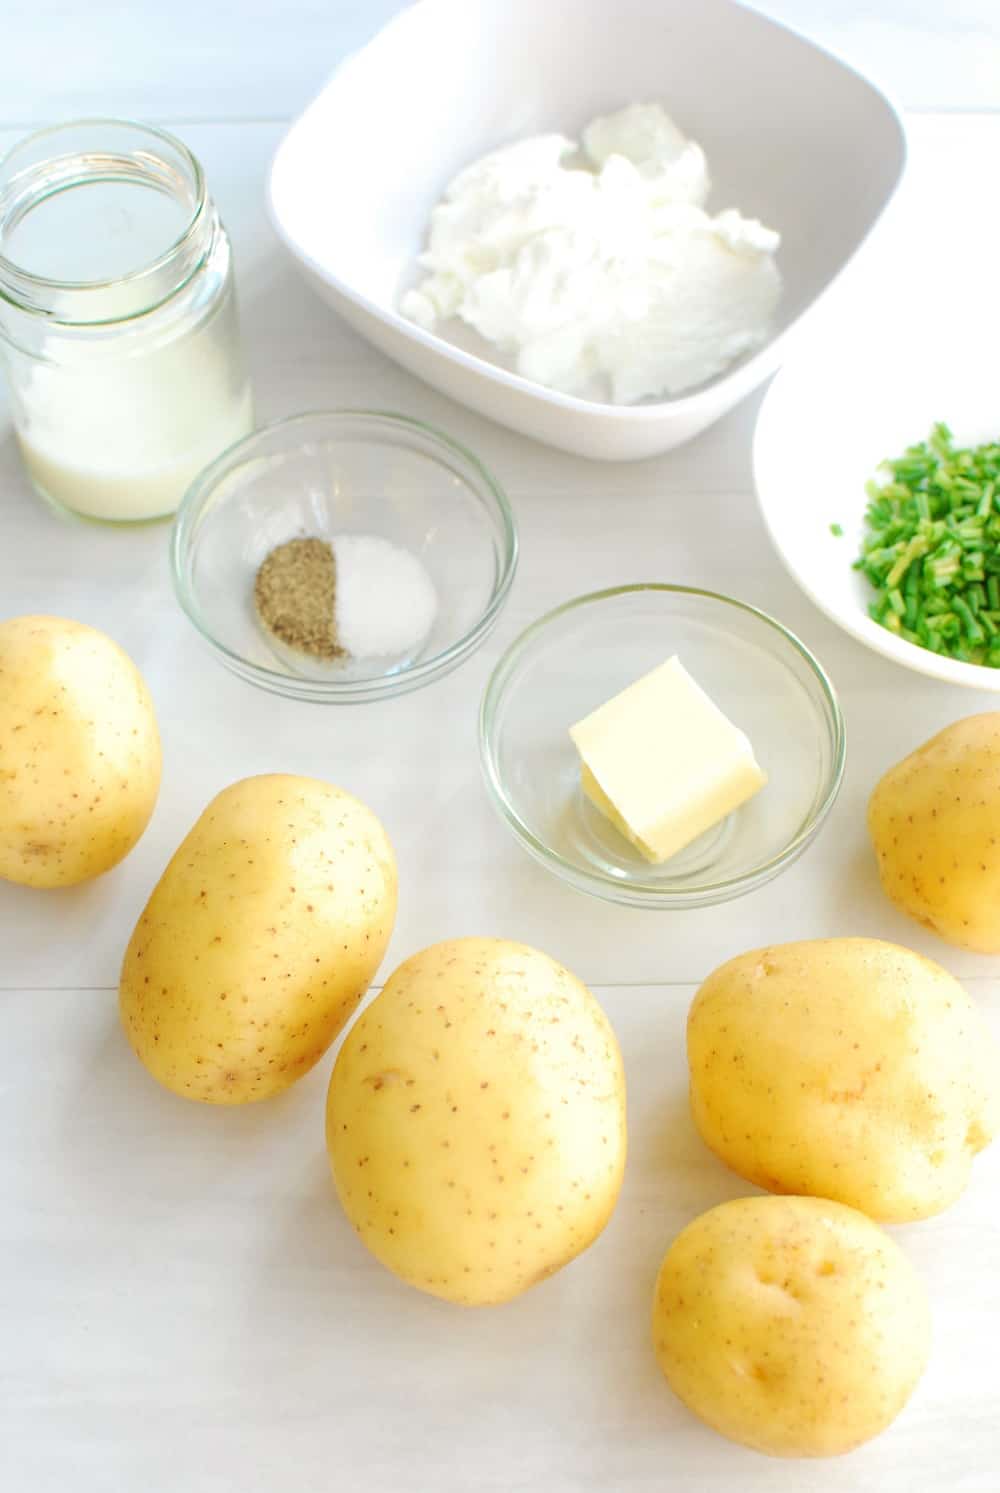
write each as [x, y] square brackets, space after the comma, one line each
[792, 1325]
[476, 1120]
[259, 939]
[79, 752]
[845, 1068]
[934, 821]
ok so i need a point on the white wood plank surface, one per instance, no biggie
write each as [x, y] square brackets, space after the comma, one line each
[182, 1306]
[263, 59]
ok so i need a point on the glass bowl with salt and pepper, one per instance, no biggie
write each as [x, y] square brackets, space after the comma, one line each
[118, 323]
[344, 556]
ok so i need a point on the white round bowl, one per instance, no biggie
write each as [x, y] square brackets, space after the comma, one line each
[829, 418]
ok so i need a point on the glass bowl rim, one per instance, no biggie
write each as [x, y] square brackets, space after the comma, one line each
[375, 686]
[639, 892]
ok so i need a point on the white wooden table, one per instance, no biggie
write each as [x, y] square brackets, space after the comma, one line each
[182, 1306]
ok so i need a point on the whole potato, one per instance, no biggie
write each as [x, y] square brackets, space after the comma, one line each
[846, 1068]
[476, 1120]
[79, 752]
[259, 940]
[792, 1325]
[934, 820]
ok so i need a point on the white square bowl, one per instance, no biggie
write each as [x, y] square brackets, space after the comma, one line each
[793, 136]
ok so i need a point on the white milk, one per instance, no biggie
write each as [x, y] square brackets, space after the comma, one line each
[112, 490]
[125, 441]
[118, 321]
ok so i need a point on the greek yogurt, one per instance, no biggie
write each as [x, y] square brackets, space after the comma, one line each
[594, 268]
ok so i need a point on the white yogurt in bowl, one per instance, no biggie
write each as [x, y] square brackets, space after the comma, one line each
[595, 269]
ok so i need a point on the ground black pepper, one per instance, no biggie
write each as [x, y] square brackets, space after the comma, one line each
[294, 594]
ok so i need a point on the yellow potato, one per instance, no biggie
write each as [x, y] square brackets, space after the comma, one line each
[259, 940]
[79, 752]
[792, 1325]
[934, 820]
[846, 1068]
[476, 1120]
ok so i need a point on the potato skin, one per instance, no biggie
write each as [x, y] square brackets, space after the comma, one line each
[934, 821]
[845, 1068]
[476, 1120]
[259, 939]
[79, 752]
[792, 1325]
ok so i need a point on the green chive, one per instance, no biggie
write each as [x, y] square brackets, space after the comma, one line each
[931, 547]
[973, 631]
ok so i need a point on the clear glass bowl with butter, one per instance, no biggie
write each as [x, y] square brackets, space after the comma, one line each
[582, 655]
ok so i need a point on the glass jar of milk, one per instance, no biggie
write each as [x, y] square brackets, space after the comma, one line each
[118, 324]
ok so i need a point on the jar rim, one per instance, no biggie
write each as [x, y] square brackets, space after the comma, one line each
[150, 282]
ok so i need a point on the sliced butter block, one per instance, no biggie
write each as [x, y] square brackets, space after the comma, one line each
[662, 762]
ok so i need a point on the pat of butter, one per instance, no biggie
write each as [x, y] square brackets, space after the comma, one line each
[663, 763]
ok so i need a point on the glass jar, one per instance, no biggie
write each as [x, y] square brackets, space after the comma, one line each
[118, 324]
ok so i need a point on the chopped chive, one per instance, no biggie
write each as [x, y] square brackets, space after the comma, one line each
[973, 631]
[931, 548]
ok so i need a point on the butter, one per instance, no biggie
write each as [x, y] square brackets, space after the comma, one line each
[662, 762]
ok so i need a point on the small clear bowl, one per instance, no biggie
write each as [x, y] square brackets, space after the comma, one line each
[573, 659]
[329, 474]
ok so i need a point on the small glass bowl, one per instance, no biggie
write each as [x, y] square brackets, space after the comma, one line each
[329, 474]
[575, 658]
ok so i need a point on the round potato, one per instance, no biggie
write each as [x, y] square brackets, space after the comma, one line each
[934, 820]
[259, 940]
[792, 1325]
[476, 1120]
[79, 752]
[847, 1068]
